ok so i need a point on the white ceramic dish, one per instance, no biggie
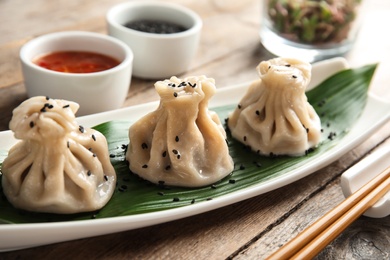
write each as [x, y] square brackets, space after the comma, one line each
[362, 172]
[156, 56]
[18, 236]
[94, 92]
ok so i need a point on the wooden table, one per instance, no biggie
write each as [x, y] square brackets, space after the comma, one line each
[229, 52]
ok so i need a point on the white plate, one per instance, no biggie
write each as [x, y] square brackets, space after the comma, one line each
[17, 236]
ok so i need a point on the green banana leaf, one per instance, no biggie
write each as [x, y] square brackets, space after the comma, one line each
[339, 101]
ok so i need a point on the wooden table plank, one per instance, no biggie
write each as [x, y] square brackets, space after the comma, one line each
[229, 52]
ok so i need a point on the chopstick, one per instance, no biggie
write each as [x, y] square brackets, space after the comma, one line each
[316, 237]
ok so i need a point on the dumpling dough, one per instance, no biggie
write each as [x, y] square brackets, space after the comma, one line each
[58, 166]
[181, 143]
[274, 116]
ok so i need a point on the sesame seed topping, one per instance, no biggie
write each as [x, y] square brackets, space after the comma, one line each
[176, 199]
[94, 155]
[288, 65]
[81, 129]
[89, 173]
[164, 154]
[177, 138]
[145, 166]
[32, 124]
[239, 106]
[175, 94]
[168, 167]
[257, 112]
[47, 98]
[105, 178]
[66, 106]
[175, 151]
[144, 146]
[94, 137]
[178, 156]
[232, 181]
[112, 155]
[294, 76]
[68, 144]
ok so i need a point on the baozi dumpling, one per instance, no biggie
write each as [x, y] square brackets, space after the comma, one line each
[181, 143]
[58, 166]
[274, 116]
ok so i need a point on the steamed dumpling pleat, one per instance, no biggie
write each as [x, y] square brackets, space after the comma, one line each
[58, 166]
[274, 116]
[181, 143]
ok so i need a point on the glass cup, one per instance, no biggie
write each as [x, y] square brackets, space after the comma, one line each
[310, 30]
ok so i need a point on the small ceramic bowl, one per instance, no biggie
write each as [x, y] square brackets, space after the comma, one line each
[95, 92]
[156, 56]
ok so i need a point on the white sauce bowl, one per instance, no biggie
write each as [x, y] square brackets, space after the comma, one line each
[95, 92]
[156, 56]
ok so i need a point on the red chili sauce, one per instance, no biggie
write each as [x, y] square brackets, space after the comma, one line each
[76, 62]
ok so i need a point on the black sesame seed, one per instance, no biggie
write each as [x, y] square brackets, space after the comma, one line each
[50, 106]
[177, 139]
[94, 155]
[32, 124]
[192, 201]
[47, 98]
[68, 144]
[257, 112]
[144, 146]
[244, 138]
[145, 166]
[94, 137]
[176, 199]
[168, 167]
[164, 154]
[89, 173]
[66, 106]
[208, 199]
[81, 129]
[232, 181]
[174, 94]
[178, 156]
[239, 106]
[105, 177]
[294, 76]
[43, 109]
[175, 151]
[288, 65]
[112, 155]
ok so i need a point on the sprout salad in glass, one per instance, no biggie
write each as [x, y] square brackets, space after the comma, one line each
[324, 28]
